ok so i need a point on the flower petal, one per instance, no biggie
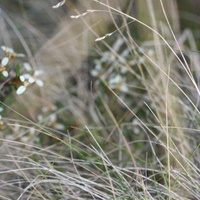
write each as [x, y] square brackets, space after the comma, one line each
[26, 76]
[31, 80]
[38, 72]
[21, 89]
[27, 66]
[3, 48]
[5, 73]
[115, 80]
[5, 61]
[39, 83]
[124, 88]
[20, 55]
[22, 79]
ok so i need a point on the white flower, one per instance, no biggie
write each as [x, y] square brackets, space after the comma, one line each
[118, 82]
[108, 57]
[52, 122]
[7, 49]
[115, 80]
[123, 69]
[52, 118]
[9, 52]
[98, 70]
[35, 77]
[123, 88]
[3, 68]
[28, 79]
[59, 126]
[150, 52]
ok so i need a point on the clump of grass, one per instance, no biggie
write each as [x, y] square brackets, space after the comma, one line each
[130, 134]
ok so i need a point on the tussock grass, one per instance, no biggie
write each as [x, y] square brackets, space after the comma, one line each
[117, 118]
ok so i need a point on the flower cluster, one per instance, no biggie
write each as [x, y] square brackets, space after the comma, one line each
[49, 117]
[28, 78]
[113, 66]
[24, 134]
[15, 75]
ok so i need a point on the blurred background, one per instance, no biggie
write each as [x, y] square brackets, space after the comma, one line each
[63, 47]
[118, 86]
[37, 21]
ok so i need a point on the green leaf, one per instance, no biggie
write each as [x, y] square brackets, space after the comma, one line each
[17, 70]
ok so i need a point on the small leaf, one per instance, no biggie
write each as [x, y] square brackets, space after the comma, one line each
[17, 71]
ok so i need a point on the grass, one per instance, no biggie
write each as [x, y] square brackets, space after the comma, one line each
[118, 116]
